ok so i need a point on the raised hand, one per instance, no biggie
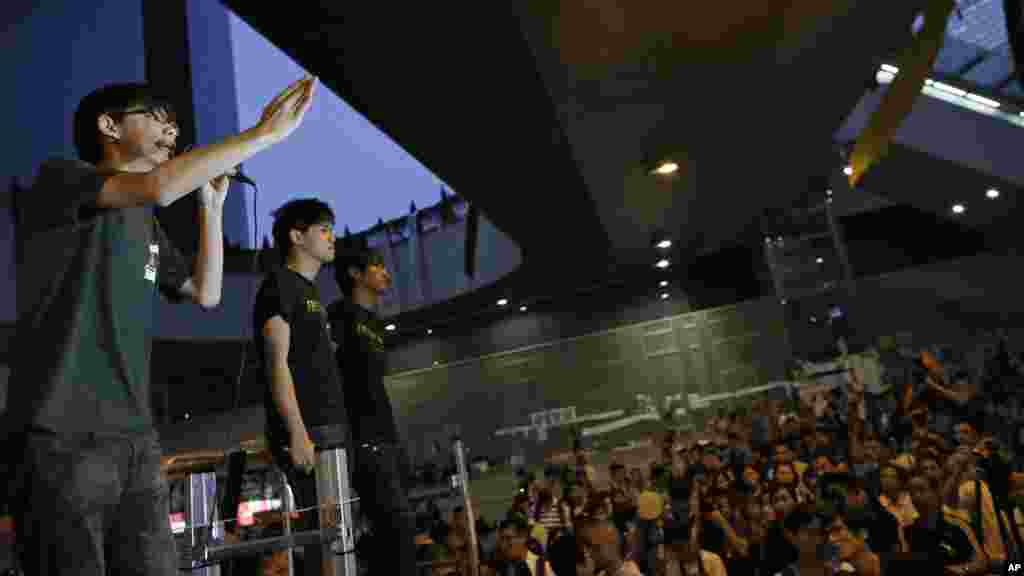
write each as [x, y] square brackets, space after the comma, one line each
[285, 112]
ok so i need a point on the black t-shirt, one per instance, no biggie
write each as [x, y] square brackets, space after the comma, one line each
[87, 285]
[360, 355]
[296, 300]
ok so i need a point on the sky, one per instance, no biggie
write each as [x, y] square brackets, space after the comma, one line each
[337, 155]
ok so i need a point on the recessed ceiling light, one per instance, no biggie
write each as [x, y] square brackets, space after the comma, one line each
[848, 170]
[664, 244]
[664, 283]
[992, 194]
[958, 208]
[667, 167]
[814, 319]
[664, 296]
[820, 260]
[663, 263]
[502, 302]
[522, 308]
[429, 331]
[391, 327]
[828, 192]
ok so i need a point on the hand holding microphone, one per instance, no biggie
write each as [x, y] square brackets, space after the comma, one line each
[235, 173]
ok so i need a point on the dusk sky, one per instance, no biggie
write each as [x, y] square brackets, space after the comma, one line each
[337, 155]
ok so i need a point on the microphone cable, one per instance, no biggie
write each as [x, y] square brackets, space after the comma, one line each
[250, 292]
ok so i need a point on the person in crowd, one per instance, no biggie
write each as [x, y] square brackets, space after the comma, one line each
[602, 550]
[514, 558]
[938, 540]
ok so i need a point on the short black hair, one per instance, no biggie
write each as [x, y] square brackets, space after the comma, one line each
[299, 215]
[353, 253]
[112, 99]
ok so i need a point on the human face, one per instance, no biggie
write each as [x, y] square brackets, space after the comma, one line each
[317, 242]
[511, 544]
[784, 474]
[782, 455]
[374, 278]
[751, 476]
[964, 435]
[143, 137]
[889, 479]
[871, 450]
[783, 503]
[922, 495]
[723, 482]
[840, 535]
[599, 543]
[930, 468]
[822, 465]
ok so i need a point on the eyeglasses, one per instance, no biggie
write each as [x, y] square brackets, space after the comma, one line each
[156, 113]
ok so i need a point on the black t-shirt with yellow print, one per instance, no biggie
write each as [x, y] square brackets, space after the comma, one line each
[361, 358]
[318, 391]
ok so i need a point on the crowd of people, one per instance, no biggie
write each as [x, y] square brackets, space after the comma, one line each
[790, 487]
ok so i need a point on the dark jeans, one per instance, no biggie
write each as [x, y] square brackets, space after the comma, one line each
[94, 506]
[380, 478]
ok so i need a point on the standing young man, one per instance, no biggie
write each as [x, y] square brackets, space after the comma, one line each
[303, 391]
[94, 500]
[381, 466]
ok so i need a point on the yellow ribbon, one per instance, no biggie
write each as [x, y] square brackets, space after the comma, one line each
[898, 101]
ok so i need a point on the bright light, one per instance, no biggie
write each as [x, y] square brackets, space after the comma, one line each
[983, 100]
[664, 283]
[664, 296]
[663, 263]
[890, 69]
[848, 170]
[992, 194]
[949, 89]
[429, 331]
[958, 209]
[502, 302]
[668, 167]
[820, 260]
[436, 363]
[884, 77]
[187, 416]
[391, 327]
[828, 192]
[814, 320]
[665, 244]
[522, 308]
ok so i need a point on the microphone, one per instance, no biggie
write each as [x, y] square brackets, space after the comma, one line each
[238, 176]
[235, 173]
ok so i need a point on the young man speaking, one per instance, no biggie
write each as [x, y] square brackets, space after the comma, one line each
[94, 499]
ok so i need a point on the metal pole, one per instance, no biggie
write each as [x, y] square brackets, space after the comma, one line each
[463, 474]
[334, 491]
[201, 511]
[288, 497]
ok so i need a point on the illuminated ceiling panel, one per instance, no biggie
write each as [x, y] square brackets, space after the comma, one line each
[980, 23]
